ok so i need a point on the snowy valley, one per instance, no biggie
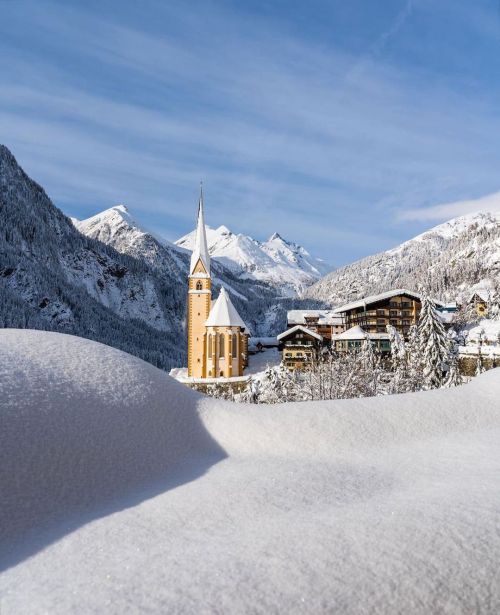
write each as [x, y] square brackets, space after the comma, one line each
[106, 278]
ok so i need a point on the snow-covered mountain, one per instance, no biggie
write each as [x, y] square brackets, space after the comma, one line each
[106, 278]
[283, 264]
[259, 301]
[117, 228]
[447, 259]
[54, 277]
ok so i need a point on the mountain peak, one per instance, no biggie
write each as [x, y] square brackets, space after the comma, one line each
[276, 261]
[275, 236]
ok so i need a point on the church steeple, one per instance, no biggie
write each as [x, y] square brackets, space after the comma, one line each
[200, 251]
[199, 298]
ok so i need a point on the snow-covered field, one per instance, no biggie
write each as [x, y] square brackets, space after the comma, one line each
[125, 492]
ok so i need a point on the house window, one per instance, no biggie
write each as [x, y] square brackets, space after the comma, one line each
[199, 285]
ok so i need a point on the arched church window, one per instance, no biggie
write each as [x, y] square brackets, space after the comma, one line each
[199, 285]
[221, 345]
[210, 346]
[235, 345]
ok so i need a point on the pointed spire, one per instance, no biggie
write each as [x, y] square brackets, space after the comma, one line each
[200, 247]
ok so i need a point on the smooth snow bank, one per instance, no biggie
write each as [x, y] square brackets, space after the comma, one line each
[83, 425]
[385, 505]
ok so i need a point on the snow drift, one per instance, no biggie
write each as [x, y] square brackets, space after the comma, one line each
[149, 497]
[83, 425]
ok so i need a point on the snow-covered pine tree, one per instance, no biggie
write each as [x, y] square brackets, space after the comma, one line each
[434, 345]
[494, 309]
[414, 361]
[370, 369]
[453, 376]
[399, 364]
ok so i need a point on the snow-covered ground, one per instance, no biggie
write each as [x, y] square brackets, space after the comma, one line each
[257, 364]
[483, 337]
[123, 492]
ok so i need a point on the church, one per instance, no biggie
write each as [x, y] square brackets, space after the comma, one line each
[217, 336]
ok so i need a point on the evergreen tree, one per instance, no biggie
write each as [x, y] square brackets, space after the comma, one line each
[453, 377]
[434, 345]
[414, 360]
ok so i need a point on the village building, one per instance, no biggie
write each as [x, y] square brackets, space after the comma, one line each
[324, 322]
[217, 336]
[261, 344]
[480, 299]
[399, 308]
[354, 338]
[299, 347]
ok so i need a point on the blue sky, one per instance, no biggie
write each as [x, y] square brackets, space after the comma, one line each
[345, 126]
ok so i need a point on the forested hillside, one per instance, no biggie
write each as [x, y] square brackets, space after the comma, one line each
[447, 260]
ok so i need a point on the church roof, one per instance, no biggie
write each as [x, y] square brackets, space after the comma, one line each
[200, 247]
[224, 314]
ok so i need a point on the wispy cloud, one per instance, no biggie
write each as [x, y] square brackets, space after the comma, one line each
[444, 211]
[101, 110]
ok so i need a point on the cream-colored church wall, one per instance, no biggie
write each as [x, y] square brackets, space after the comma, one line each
[199, 303]
[227, 365]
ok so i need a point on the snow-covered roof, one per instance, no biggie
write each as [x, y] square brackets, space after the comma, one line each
[325, 317]
[224, 314]
[265, 341]
[482, 293]
[299, 328]
[380, 297]
[446, 317]
[200, 250]
[358, 333]
[486, 330]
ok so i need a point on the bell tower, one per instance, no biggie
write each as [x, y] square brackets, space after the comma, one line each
[199, 298]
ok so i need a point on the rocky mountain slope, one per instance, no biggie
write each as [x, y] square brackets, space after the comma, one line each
[117, 228]
[259, 301]
[53, 277]
[447, 259]
[283, 264]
